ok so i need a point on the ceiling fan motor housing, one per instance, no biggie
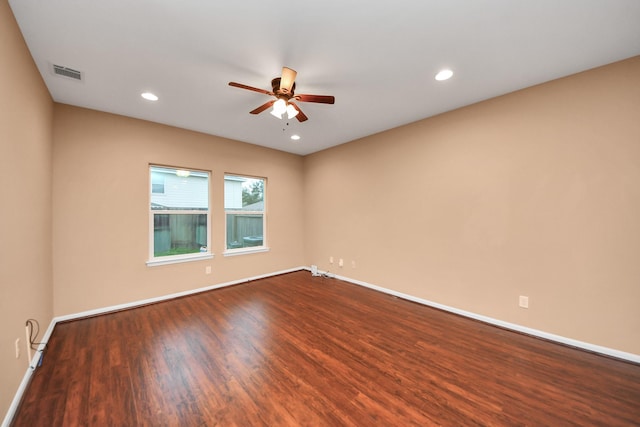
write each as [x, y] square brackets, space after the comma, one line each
[275, 85]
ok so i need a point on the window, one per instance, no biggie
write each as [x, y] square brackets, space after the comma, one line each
[244, 201]
[179, 215]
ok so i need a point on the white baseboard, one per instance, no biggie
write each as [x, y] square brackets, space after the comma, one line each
[27, 375]
[104, 310]
[515, 327]
[139, 303]
[635, 358]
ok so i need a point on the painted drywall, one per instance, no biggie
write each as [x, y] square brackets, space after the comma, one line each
[534, 193]
[26, 114]
[101, 208]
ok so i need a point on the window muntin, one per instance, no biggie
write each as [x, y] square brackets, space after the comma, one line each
[244, 204]
[179, 213]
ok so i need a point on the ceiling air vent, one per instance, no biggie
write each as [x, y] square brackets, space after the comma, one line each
[67, 72]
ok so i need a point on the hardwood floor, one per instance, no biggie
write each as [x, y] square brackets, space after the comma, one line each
[296, 350]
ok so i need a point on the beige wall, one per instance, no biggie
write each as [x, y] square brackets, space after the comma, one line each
[535, 193]
[26, 112]
[101, 200]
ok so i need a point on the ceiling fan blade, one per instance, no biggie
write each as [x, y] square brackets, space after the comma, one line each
[322, 99]
[287, 79]
[255, 89]
[263, 107]
[300, 116]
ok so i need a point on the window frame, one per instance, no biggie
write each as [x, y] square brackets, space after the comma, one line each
[172, 259]
[249, 249]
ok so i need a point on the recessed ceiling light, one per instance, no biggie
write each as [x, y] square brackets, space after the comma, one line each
[149, 96]
[444, 75]
[295, 137]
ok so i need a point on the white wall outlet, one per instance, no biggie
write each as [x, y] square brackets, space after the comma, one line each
[207, 269]
[341, 262]
[18, 348]
[523, 301]
[330, 260]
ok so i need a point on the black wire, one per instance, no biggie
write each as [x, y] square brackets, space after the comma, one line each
[32, 336]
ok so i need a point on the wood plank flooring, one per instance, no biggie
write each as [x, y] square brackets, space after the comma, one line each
[296, 350]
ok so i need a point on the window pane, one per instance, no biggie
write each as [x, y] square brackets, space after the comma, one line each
[242, 193]
[177, 234]
[244, 206]
[181, 189]
[244, 230]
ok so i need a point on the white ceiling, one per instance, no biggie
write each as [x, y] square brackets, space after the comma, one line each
[378, 58]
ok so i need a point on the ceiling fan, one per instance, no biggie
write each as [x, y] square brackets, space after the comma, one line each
[283, 89]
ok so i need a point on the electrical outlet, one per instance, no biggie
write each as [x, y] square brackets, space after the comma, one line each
[207, 269]
[341, 262]
[330, 260]
[18, 348]
[523, 302]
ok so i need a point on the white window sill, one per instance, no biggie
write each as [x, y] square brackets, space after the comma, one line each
[244, 251]
[178, 259]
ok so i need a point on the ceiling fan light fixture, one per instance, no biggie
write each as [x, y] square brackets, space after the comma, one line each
[291, 111]
[279, 108]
